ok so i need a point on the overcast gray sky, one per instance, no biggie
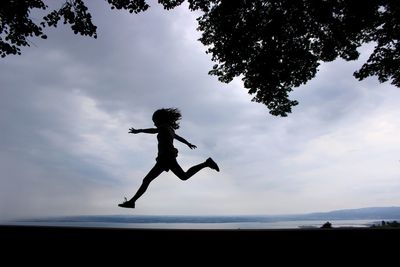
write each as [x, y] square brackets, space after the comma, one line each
[67, 102]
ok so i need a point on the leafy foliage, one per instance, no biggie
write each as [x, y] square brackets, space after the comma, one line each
[386, 224]
[130, 5]
[74, 13]
[273, 45]
[16, 25]
[278, 45]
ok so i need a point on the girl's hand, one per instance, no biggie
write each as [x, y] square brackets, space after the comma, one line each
[192, 146]
[133, 130]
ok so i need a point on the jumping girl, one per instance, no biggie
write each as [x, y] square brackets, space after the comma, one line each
[166, 121]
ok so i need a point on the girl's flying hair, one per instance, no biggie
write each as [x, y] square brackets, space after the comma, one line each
[170, 116]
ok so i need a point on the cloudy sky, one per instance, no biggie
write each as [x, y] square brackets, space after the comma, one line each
[67, 102]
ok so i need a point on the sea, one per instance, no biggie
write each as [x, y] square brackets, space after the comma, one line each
[192, 222]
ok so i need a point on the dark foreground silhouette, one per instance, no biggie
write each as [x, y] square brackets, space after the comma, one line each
[200, 246]
[166, 122]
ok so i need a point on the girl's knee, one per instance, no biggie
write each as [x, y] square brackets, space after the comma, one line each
[147, 181]
[183, 176]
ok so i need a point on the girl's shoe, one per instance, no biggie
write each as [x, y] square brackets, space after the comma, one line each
[127, 204]
[211, 163]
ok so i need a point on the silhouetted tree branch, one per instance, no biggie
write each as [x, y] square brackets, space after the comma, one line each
[274, 46]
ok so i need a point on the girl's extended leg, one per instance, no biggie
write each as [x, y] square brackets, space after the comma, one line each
[154, 173]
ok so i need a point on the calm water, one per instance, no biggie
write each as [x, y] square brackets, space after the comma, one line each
[191, 222]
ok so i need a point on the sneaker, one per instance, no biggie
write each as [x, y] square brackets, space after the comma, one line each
[127, 204]
[211, 163]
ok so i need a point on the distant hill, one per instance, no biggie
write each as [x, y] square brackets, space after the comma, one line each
[351, 214]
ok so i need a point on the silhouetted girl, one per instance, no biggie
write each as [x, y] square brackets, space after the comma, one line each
[166, 121]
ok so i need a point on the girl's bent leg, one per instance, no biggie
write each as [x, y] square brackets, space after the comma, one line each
[178, 171]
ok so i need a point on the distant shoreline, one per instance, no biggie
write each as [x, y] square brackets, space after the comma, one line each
[13, 232]
[194, 222]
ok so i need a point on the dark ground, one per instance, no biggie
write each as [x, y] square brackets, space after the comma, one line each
[199, 246]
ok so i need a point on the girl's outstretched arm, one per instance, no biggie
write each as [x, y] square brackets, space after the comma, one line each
[149, 130]
[183, 140]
